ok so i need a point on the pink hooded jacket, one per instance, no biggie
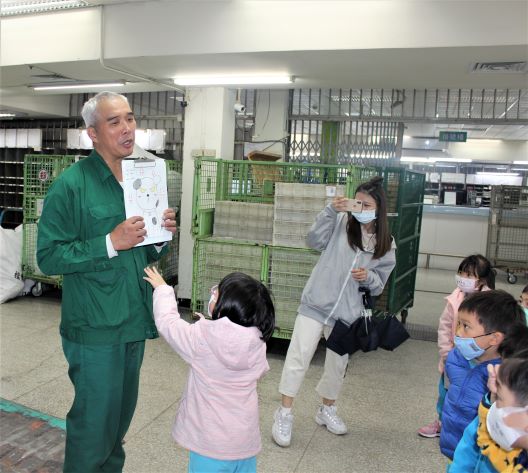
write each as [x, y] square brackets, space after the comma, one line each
[218, 414]
[447, 324]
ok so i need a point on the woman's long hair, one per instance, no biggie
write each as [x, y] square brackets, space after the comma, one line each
[374, 188]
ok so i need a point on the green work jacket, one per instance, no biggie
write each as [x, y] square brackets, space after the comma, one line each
[104, 300]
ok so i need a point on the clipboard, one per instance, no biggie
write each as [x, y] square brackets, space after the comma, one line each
[145, 193]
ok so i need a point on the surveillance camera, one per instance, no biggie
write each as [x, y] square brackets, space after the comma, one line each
[240, 108]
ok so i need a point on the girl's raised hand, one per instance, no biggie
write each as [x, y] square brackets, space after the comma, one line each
[153, 277]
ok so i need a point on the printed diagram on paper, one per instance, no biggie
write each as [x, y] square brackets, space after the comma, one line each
[145, 190]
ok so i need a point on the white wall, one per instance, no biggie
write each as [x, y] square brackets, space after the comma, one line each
[209, 124]
[271, 116]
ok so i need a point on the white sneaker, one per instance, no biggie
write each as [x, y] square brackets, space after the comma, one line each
[282, 428]
[327, 415]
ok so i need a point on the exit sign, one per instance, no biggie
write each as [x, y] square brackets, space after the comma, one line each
[460, 136]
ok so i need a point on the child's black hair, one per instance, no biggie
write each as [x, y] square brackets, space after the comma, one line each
[479, 266]
[515, 344]
[513, 373]
[247, 302]
[496, 311]
[525, 290]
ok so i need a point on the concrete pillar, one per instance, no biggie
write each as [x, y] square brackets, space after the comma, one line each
[209, 127]
[271, 119]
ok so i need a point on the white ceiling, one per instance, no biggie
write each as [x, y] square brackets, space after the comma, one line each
[387, 67]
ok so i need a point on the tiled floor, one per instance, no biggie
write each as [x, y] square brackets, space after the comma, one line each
[386, 396]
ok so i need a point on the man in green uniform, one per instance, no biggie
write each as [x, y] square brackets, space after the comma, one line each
[84, 235]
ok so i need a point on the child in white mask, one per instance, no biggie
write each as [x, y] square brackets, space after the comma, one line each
[474, 274]
[497, 440]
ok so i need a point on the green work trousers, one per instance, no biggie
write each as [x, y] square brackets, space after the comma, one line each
[106, 382]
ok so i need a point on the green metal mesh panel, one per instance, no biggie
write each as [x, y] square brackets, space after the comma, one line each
[406, 256]
[413, 184]
[214, 259]
[289, 270]
[403, 297]
[253, 181]
[168, 264]
[391, 183]
[30, 269]
[408, 221]
[40, 171]
[404, 190]
[357, 175]
[507, 246]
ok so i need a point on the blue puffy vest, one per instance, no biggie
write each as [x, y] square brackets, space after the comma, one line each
[467, 385]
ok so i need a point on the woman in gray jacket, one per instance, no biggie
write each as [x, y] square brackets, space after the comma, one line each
[357, 250]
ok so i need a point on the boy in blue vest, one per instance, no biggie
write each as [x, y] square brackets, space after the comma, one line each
[484, 319]
[497, 440]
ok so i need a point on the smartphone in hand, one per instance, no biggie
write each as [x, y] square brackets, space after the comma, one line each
[354, 205]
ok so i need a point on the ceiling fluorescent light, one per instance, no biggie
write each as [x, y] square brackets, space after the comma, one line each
[22, 7]
[233, 80]
[414, 160]
[80, 85]
[7, 115]
[484, 173]
[452, 160]
[525, 163]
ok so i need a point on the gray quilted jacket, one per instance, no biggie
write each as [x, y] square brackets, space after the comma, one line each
[331, 293]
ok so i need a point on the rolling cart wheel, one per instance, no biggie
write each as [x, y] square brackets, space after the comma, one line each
[36, 290]
[404, 313]
[512, 279]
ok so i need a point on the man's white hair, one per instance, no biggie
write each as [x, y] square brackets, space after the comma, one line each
[89, 110]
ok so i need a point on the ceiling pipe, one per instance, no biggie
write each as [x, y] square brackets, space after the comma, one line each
[113, 69]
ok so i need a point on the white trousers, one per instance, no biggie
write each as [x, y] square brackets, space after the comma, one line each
[307, 333]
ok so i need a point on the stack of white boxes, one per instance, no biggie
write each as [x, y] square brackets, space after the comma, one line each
[243, 221]
[296, 206]
[289, 272]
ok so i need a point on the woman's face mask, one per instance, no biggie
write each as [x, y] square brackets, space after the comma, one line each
[366, 216]
[503, 434]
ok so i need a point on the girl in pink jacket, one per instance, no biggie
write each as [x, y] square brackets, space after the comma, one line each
[474, 274]
[218, 418]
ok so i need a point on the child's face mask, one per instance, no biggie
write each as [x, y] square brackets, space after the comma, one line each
[466, 285]
[503, 434]
[212, 301]
[469, 348]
